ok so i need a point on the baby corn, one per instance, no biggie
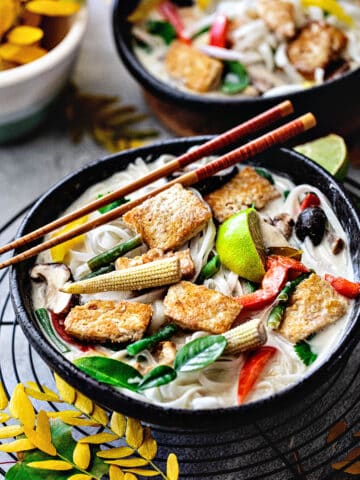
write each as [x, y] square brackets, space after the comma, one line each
[149, 275]
[249, 335]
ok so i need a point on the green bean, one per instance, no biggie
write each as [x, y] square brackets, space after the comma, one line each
[149, 342]
[277, 312]
[111, 255]
[100, 271]
[209, 269]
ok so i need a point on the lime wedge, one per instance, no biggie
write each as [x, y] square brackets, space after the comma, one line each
[330, 152]
[240, 245]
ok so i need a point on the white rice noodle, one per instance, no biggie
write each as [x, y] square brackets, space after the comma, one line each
[224, 54]
[201, 246]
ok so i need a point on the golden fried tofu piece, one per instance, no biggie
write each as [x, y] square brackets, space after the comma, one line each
[243, 190]
[107, 321]
[193, 68]
[195, 307]
[313, 306]
[279, 17]
[317, 45]
[169, 219]
[187, 266]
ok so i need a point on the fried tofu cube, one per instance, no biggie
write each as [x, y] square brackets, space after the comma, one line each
[107, 321]
[187, 266]
[194, 69]
[279, 16]
[243, 190]
[195, 307]
[169, 219]
[317, 45]
[313, 306]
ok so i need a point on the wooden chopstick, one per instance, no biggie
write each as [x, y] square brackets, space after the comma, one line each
[249, 127]
[266, 141]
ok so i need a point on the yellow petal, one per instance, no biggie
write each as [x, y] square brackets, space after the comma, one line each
[80, 476]
[11, 431]
[118, 423]
[148, 449]
[99, 415]
[129, 462]
[39, 441]
[118, 452]
[25, 35]
[130, 476]
[51, 465]
[21, 407]
[115, 473]
[4, 417]
[43, 426]
[21, 445]
[80, 422]
[41, 395]
[82, 455]
[41, 388]
[84, 403]
[143, 472]
[99, 438]
[51, 8]
[172, 467]
[64, 414]
[8, 13]
[67, 392]
[134, 433]
[3, 397]
[21, 53]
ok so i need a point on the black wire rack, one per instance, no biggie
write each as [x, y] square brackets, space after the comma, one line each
[292, 445]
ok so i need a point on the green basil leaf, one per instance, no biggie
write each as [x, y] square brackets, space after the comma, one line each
[112, 205]
[200, 32]
[304, 352]
[163, 29]
[110, 371]
[236, 78]
[160, 375]
[264, 173]
[199, 353]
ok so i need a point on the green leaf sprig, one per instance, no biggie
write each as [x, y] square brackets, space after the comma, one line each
[236, 78]
[197, 354]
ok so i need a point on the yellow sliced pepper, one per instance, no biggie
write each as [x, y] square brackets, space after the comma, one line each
[332, 7]
[59, 252]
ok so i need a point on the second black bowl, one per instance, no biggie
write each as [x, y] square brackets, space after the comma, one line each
[336, 103]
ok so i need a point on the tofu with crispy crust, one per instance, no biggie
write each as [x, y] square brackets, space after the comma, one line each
[187, 266]
[279, 16]
[194, 69]
[313, 306]
[169, 219]
[243, 190]
[107, 321]
[195, 307]
[317, 45]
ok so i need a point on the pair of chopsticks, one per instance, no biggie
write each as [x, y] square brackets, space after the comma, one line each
[250, 149]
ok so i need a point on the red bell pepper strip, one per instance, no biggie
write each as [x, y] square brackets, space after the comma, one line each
[310, 200]
[344, 287]
[218, 31]
[252, 369]
[170, 12]
[277, 272]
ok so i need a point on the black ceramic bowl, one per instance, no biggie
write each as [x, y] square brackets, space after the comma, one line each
[59, 197]
[336, 104]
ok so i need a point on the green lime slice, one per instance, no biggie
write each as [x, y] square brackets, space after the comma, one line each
[240, 245]
[330, 152]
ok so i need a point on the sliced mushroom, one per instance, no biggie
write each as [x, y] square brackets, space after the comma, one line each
[52, 277]
[165, 353]
[284, 223]
[337, 244]
[272, 236]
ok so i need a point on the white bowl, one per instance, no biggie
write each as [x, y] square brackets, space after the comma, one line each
[27, 91]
